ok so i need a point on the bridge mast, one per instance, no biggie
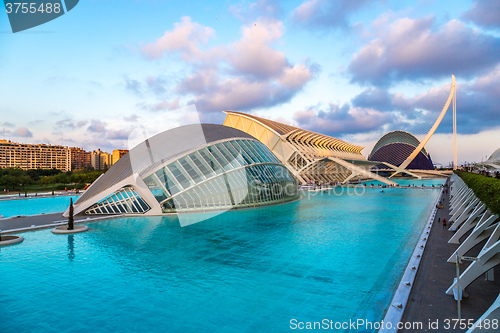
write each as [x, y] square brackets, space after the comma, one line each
[455, 163]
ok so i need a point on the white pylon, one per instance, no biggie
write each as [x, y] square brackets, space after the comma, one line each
[455, 159]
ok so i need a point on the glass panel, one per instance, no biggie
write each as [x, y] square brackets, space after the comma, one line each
[158, 191]
[254, 154]
[240, 150]
[260, 151]
[202, 165]
[211, 161]
[221, 159]
[180, 175]
[168, 180]
[142, 203]
[237, 156]
[191, 169]
[232, 159]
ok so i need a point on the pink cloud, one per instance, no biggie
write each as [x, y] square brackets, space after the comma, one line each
[163, 105]
[185, 38]
[23, 132]
[252, 73]
[411, 49]
[253, 54]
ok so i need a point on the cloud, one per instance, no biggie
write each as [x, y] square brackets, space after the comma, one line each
[326, 13]
[410, 49]
[484, 13]
[7, 124]
[69, 123]
[379, 99]
[256, 75]
[163, 105]
[253, 55]
[258, 9]
[337, 120]
[156, 84]
[376, 110]
[121, 134]
[133, 86]
[132, 118]
[97, 126]
[23, 132]
[185, 39]
[245, 74]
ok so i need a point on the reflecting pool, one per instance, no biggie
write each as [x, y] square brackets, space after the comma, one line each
[330, 256]
[34, 206]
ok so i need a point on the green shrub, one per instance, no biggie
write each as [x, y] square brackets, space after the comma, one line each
[487, 189]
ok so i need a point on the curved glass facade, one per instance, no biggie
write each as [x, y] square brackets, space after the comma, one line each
[232, 173]
[230, 170]
[123, 201]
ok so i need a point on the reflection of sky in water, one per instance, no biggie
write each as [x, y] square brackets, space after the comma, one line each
[252, 270]
[35, 206]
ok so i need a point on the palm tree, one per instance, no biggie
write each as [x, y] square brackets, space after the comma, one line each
[70, 217]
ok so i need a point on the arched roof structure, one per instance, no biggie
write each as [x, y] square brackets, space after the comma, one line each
[299, 135]
[308, 155]
[189, 168]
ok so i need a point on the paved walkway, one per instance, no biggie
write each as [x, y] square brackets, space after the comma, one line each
[4, 196]
[34, 220]
[428, 300]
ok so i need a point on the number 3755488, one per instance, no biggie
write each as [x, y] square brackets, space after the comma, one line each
[32, 8]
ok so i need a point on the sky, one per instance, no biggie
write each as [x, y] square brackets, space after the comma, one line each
[354, 70]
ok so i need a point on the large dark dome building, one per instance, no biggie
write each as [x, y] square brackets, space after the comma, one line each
[395, 147]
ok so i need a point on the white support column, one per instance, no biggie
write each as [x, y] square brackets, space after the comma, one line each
[487, 260]
[455, 213]
[469, 209]
[461, 191]
[495, 236]
[455, 159]
[473, 220]
[485, 230]
[458, 197]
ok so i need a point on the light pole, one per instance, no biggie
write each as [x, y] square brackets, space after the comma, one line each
[458, 296]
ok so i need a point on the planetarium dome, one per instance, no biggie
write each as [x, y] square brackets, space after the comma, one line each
[395, 147]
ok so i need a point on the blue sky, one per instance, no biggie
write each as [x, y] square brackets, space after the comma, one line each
[350, 69]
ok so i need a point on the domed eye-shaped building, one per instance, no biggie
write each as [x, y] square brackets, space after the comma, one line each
[492, 163]
[495, 157]
[190, 168]
[395, 147]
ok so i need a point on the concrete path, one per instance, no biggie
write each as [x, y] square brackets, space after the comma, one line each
[4, 197]
[34, 220]
[428, 300]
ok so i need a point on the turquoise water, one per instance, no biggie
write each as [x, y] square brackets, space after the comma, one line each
[36, 206]
[328, 256]
[406, 182]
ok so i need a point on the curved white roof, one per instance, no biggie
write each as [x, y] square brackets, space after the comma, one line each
[153, 152]
[495, 157]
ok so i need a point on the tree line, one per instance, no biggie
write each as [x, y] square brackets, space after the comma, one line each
[12, 178]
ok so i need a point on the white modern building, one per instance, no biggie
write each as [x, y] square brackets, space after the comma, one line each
[190, 168]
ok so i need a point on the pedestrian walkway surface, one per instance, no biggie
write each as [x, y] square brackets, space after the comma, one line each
[428, 301]
[34, 220]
